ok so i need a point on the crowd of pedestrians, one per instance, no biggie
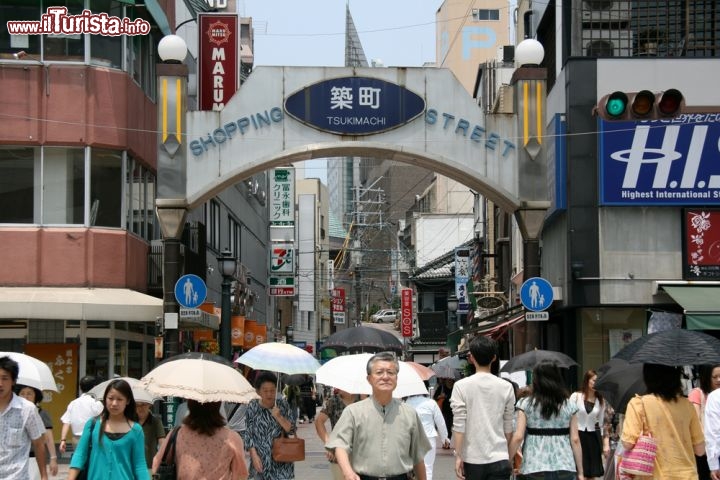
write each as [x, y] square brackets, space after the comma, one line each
[539, 432]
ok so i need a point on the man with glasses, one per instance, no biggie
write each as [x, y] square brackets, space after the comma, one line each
[385, 436]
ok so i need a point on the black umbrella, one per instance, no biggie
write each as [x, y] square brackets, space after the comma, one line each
[673, 348]
[363, 339]
[296, 379]
[619, 382]
[528, 360]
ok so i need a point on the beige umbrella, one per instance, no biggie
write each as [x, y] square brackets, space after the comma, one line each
[32, 372]
[140, 393]
[199, 379]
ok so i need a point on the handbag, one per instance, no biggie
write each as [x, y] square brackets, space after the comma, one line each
[640, 460]
[83, 475]
[166, 470]
[287, 449]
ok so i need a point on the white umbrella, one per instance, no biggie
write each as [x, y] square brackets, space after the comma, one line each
[33, 372]
[349, 373]
[140, 393]
[279, 357]
[199, 379]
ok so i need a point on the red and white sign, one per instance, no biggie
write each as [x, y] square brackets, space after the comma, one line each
[218, 59]
[282, 291]
[406, 312]
[338, 305]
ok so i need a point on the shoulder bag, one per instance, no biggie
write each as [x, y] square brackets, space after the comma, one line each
[83, 475]
[640, 460]
[166, 470]
[288, 449]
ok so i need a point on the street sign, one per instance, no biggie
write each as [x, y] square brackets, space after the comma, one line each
[406, 312]
[193, 318]
[537, 316]
[281, 287]
[190, 291]
[536, 294]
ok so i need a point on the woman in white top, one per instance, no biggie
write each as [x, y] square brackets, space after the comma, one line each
[591, 426]
[433, 423]
[709, 381]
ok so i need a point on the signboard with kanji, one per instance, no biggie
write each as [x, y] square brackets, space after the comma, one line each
[281, 287]
[338, 305]
[282, 196]
[406, 312]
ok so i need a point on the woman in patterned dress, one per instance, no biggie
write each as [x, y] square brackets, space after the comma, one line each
[551, 449]
[266, 419]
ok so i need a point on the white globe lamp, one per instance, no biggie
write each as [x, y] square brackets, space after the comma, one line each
[529, 53]
[172, 49]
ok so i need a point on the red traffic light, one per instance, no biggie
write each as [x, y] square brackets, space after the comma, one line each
[670, 102]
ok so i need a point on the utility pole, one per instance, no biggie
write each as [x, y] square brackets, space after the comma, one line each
[367, 212]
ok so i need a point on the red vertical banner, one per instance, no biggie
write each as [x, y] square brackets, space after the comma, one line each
[219, 37]
[338, 305]
[406, 312]
[62, 358]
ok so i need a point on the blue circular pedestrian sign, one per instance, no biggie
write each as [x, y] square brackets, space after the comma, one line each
[536, 294]
[190, 291]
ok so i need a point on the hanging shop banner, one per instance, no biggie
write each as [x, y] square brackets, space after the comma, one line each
[62, 358]
[249, 331]
[218, 36]
[701, 244]
[462, 275]
[237, 331]
[661, 162]
[406, 312]
[282, 197]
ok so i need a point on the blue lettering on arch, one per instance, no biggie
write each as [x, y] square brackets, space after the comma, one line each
[477, 37]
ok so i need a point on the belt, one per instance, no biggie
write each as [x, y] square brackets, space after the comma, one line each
[548, 431]
[392, 477]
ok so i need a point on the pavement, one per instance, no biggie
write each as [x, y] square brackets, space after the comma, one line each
[315, 466]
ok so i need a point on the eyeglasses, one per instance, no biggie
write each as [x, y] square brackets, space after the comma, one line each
[381, 373]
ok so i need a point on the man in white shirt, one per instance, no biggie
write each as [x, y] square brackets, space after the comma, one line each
[79, 411]
[711, 426]
[20, 426]
[483, 406]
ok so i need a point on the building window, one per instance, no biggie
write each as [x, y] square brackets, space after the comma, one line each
[484, 14]
[140, 201]
[105, 50]
[62, 46]
[19, 167]
[63, 186]
[234, 234]
[106, 188]
[212, 220]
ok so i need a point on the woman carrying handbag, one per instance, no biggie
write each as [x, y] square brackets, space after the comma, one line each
[671, 420]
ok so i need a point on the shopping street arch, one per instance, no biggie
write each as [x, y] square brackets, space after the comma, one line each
[420, 116]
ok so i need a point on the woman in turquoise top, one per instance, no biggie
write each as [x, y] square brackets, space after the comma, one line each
[551, 449]
[112, 446]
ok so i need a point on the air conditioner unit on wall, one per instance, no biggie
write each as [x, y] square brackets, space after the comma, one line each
[598, 11]
[607, 43]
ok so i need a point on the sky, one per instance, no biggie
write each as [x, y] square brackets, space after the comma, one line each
[312, 32]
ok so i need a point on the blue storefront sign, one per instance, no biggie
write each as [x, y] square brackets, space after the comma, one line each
[661, 162]
[354, 105]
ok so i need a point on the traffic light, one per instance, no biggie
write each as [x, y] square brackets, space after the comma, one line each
[642, 105]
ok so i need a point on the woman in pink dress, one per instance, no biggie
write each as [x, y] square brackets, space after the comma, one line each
[205, 448]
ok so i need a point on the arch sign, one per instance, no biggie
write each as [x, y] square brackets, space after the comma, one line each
[421, 116]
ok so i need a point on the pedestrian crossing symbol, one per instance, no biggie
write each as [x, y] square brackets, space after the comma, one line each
[536, 294]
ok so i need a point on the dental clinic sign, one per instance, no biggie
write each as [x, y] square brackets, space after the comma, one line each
[354, 105]
[661, 162]
[218, 59]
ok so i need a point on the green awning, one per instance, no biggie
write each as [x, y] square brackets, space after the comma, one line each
[158, 14]
[701, 305]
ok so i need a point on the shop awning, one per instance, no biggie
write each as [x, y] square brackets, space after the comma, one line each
[701, 305]
[57, 303]
[492, 328]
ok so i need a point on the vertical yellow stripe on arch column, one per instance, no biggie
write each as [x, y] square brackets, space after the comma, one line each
[163, 99]
[526, 112]
[538, 111]
[178, 110]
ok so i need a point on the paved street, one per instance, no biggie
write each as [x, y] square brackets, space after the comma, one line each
[315, 467]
